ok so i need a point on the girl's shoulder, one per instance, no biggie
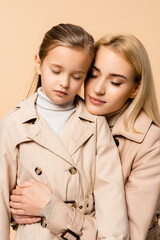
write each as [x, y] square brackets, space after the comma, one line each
[23, 110]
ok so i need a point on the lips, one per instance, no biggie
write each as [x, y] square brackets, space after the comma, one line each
[96, 101]
[60, 93]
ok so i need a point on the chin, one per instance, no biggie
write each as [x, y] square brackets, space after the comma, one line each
[94, 110]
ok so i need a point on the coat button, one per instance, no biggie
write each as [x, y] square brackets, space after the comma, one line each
[38, 171]
[43, 223]
[73, 170]
[116, 142]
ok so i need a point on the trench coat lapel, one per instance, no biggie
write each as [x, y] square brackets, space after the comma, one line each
[38, 130]
[142, 124]
[76, 131]
[41, 133]
[77, 136]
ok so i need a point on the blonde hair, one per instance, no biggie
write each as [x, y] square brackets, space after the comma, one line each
[68, 35]
[135, 53]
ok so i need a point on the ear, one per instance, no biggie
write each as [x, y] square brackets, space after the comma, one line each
[38, 64]
[134, 90]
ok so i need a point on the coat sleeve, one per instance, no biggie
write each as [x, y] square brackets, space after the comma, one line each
[69, 222]
[143, 185]
[8, 168]
[109, 194]
[111, 214]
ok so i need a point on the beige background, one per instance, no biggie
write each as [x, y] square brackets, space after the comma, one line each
[23, 24]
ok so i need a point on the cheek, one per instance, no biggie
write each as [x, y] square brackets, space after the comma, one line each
[76, 86]
[120, 97]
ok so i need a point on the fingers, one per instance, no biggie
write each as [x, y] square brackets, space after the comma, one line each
[27, 184]
[15, 205]
[16, 198]
[28, 220]
[17, 191]
[25, 219]
[17, 211]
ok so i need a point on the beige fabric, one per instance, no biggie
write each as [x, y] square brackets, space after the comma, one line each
[140, 157]
[27, 143]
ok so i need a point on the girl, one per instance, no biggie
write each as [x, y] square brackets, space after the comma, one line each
[121, 88]
[50, 138]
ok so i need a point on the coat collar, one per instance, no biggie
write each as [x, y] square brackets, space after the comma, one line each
[30, 113]
[142, 124]
[37, 130]
[28, 109]
[82, 111]
[79, 129]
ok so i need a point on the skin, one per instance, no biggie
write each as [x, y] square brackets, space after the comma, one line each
[28, 200]
[63, 72]
[111, 83]
[106, 91]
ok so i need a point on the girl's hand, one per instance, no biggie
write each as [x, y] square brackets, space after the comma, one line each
[25, 219]
[29, 199]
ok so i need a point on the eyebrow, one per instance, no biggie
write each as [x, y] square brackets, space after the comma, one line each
[117, 75]
[111, 74]
[55, 65]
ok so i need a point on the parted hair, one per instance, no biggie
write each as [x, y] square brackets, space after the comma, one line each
[129, 47]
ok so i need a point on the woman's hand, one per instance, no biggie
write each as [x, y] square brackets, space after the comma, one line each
[29, 199]
[25, 219]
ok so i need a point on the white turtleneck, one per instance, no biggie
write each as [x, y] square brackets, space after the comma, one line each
[55, 114]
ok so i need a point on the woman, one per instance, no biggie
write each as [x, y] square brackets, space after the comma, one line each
[121, 88]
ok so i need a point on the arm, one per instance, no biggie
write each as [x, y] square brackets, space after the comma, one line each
[143, 186]
[8, 166]
[109, 187]
[34, 199]
[62, 217]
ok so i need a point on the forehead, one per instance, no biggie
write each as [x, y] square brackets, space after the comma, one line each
[109, 60]
[66, 56]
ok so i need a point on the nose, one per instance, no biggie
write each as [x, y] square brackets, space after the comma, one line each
[64, 81]
[100, 87]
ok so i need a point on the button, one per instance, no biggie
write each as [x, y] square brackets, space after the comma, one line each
[80, 207]
[38, 171]
[116, 142]
[73, 170]
[43, 223]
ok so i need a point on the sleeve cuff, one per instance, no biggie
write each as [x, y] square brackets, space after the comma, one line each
[47, 210]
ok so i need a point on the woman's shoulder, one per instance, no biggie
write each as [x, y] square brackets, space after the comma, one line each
[143, 125]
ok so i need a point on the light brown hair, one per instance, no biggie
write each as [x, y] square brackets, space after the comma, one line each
[68, 35]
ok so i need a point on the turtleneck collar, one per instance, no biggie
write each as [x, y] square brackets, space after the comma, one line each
[45, 102]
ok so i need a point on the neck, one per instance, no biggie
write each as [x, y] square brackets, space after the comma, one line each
[112, 117]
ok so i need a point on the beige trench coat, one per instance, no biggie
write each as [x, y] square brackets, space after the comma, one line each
[140, 158]
[84, 160]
